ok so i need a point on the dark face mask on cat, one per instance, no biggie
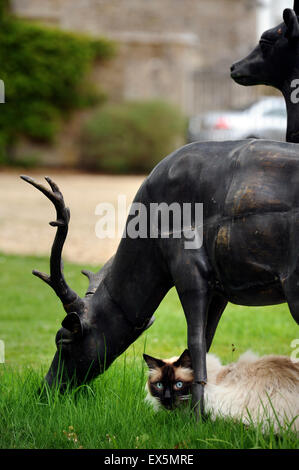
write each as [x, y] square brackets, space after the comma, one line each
[169, 381]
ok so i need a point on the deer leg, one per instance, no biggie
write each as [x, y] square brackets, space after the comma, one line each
[216, 308]
[290, 288]
[195, 304]
[192, 275]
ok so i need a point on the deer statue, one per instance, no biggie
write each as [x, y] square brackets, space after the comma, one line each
[248, 255]
[275, 62]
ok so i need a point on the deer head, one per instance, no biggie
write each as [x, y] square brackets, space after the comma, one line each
[94, 331]
[275, 62]
[274, 59]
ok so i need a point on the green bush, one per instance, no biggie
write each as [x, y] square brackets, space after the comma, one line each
[44, 71]
[131, 137]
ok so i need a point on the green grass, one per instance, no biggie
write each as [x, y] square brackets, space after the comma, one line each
[110, 412]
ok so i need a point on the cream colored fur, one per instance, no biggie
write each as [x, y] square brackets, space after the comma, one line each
[255, 390]
[260, 390]
[151, 400]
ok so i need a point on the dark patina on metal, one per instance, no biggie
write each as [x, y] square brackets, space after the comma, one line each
[249, 255]
[275, 62]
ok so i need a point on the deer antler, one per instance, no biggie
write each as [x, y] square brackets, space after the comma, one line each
[71, 301]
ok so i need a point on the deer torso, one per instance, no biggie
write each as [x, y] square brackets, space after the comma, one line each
[250, 195]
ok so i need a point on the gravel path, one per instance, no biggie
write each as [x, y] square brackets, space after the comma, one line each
[25, 213]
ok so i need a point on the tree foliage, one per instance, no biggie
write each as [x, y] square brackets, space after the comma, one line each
[44, 71]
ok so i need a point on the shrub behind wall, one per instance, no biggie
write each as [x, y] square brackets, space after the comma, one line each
[131, 137]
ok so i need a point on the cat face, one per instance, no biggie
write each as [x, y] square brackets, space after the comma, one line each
[169, 381]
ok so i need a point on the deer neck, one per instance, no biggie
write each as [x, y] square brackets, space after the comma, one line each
[291, 96]
[134, 284]
[111, 323]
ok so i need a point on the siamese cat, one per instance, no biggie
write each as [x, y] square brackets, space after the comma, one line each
[169, 381]
[255, 390]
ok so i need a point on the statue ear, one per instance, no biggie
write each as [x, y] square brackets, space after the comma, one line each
[152, 362]
[184, 360]
[291, 22]
[73, 323]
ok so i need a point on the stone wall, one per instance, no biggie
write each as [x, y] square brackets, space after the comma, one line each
[176, 50]
[162, 43]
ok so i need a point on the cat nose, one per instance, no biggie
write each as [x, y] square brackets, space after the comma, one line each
[167, 394]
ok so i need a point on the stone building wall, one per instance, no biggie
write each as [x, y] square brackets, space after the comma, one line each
[176, 50]
[162, 43]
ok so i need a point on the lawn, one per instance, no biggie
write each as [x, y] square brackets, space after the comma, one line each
[110, 412]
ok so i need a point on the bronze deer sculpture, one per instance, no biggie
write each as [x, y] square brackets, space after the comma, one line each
[249, 256]
[275, 62]
[250, 238]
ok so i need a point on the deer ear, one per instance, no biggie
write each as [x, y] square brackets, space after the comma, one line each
[73, 323]
[291, 22]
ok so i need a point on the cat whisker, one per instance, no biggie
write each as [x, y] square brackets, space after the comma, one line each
[185, 397]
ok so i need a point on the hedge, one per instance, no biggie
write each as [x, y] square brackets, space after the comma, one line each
[44, 71]
[131, 137]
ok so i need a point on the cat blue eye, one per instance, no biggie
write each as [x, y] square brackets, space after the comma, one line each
[159, 385]
[179, 384]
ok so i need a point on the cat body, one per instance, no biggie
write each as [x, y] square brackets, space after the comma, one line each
[254, 389]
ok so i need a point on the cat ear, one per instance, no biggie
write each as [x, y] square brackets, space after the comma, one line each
[184, 360]
[152, 362]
